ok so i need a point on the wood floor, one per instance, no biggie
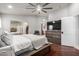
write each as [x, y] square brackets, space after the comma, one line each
[58, 50]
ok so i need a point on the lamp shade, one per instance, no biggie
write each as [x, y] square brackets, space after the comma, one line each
[50, 27]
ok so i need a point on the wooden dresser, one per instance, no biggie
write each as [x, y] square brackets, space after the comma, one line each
[54, 36]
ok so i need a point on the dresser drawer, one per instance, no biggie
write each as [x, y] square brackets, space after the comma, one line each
[54, 36]
[53, 33]
[55, 40]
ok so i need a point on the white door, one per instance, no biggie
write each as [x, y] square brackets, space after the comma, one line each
[68, 31]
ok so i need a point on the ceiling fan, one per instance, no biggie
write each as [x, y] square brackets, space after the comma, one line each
[39, 7]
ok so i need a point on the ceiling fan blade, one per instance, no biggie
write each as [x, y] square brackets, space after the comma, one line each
[47, 8]
[32, 4]
[45, 4]
[44, 11]
[33, 11]
[30, 8]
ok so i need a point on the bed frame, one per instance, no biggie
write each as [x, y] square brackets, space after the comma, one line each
[40, 52]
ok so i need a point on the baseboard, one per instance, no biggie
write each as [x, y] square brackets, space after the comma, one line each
[76, 47]
[67, 45]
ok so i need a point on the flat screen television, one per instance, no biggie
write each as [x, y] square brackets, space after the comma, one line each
[56, 25]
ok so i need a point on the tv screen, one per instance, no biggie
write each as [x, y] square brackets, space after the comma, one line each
[56, 25]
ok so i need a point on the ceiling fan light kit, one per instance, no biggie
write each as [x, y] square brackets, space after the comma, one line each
[39, 8]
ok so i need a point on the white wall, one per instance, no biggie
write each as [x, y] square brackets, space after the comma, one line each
[69, 10]
[33, 21]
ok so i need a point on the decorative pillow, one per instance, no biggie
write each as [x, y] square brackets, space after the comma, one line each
[2, 44]
[6, 38]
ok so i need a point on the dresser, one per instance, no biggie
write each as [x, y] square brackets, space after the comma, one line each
[54, 36]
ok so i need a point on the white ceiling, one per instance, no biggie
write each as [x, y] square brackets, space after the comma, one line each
[20, 8]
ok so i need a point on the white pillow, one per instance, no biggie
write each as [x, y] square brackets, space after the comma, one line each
[2, 44]
[7, 39]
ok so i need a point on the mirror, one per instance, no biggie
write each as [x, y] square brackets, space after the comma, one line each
[18, 27]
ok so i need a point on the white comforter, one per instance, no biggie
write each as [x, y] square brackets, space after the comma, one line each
[20, 42]
[37, 40]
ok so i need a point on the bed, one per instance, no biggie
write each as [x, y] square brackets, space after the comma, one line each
[30, 42]
[43, 51]
[24, 43]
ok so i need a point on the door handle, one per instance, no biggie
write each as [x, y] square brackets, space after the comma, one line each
[61, 32]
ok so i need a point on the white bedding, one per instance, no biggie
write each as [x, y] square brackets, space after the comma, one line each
[29, 41]
[20, 43]
[37, 40]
